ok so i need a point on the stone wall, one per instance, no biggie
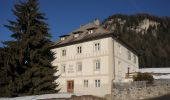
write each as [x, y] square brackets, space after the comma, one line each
[139, 93]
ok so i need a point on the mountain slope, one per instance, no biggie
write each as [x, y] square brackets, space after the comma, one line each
[148, 34]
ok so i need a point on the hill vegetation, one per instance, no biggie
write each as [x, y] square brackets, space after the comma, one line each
[148, 34]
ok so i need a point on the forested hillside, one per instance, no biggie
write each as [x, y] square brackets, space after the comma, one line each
[148, 34]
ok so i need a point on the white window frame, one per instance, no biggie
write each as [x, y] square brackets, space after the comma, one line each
[97, 65]
[129, 55]
[97, 46]
[56, 55]
[86, 83]
[134, 57]
[120, 48]
[63, 52]
[97, 83]
[63, 68]
[91, 31]
[79, 67]
[76, 35]
[72, 67]
[62, 38]
[79, 49]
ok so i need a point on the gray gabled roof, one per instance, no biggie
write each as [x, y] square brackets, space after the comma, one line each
[99, 32]
[83, 35]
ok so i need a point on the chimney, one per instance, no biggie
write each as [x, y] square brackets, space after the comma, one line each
[96, 21]
[81, 26]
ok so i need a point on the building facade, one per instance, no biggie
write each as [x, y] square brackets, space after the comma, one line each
[91, 58]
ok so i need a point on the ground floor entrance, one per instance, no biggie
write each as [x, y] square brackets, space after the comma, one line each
[70, 86]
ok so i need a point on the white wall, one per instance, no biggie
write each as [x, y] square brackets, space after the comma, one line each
[122, 62]
[88, 56]
[109, 56]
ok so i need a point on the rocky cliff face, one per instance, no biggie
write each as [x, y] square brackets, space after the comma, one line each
[140, 27]
[140, 23]
[147, 33]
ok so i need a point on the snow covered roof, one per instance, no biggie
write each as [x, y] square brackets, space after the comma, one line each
[155, 70]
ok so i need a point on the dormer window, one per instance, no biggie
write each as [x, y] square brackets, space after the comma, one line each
[91, 30]
[63, 37]
[77, 33]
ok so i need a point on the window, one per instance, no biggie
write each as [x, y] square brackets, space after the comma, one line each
[79, 49]
[128, 70]
[70, 69]
[119, 62]
[129, 55]
[97, 83]
[90, 31]
[64, 52]
[134, 56]
[55, 55]
[62, 38]
[63, 67]
[79, 67]
[120, 49]
[85, 83]
[76, 35]
[97, 46]
[97, 65]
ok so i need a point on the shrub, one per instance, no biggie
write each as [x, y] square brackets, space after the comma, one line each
[144, 77]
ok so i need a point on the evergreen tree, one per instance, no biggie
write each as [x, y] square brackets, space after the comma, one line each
[30, 59]
[3, 79]
[7, 72]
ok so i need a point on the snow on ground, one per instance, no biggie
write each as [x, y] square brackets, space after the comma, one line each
[167, 76]
[155, 70]
[164, 73]
[45, 96]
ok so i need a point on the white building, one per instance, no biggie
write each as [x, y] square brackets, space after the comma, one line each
[91, 58]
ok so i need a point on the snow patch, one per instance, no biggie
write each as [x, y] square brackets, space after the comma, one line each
[158, 73]
[155, 70]
[45, 96]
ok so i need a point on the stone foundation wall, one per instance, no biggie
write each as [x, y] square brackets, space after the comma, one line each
[139, 93]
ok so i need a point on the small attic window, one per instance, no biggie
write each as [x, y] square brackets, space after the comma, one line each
[91, 30]
[76, 34]
[63, 37]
